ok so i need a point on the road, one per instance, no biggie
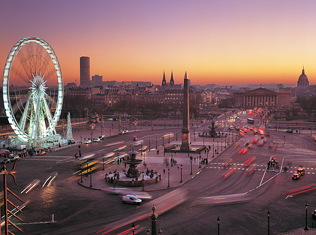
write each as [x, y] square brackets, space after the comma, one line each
[79, 210]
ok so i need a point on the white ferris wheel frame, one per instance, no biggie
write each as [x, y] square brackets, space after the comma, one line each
[6, 76]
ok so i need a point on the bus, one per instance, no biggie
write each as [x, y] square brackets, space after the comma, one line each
[250, 120]
[86, 164]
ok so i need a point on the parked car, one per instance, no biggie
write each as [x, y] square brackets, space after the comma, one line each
[131, 199]
[289, 131]
[314, 213]
[88, 141]
[102, 137]
[71, 141]
[96, 140]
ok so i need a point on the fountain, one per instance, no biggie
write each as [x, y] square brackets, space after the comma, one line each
[133, 177]
[212, 133]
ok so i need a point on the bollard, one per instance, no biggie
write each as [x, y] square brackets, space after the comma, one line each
[53, 218]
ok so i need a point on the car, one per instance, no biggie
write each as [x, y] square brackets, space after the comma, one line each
[96, 140]
[119, 148]
[131, 199]
[289, 131]
[301, 171]
[88, 141]
[123, 132]
[249, 146]
[5, 161]
[71, 141]
[102, 137]
[296, 176]
[41, 153]
[314, 213]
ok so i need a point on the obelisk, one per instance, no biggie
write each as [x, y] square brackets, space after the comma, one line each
[185, 146]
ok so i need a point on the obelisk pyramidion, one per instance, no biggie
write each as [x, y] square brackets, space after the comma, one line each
[185, 146]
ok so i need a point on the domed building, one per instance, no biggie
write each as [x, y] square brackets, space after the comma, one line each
[303, 80]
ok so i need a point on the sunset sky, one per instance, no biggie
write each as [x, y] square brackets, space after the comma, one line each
[225, 42]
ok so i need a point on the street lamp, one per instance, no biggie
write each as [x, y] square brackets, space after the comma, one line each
[306, 206]
[143, 182]
[213, 150]
[149, 145]
[133, 226]
[191, 158]
[79, 146]
[103, 162]
[181, 173]
[221, 145]
[268, 222]
[225, 141]
[203, 141]
[218, 219]
[156, 142]
[91, 135]
[168, 177]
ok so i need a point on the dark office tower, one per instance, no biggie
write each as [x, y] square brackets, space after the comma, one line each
[164, 79]
[171, 79]
[84, 71]
[186, 145]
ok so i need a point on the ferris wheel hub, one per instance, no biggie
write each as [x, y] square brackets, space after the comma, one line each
[38, 84]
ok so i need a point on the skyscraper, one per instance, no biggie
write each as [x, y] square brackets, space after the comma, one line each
[84, 71]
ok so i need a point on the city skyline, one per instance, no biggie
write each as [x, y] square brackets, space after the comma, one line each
[216, 42]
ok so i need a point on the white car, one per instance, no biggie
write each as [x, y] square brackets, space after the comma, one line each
[96, 140]
[131, 199]
[88, 141]
[102, 137]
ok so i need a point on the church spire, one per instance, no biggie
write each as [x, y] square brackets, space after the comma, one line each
[171, 79]
[303, 71]
[164, 79]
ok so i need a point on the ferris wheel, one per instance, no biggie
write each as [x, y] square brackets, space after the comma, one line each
[33, 90]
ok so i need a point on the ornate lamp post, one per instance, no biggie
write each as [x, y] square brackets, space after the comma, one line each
[268, 222]
[91, 135]
[213, 150]
[153, 217]
[79, 146]
[168, 177]
[218, 219]
[143, 182]
[306, 228]
[133, 226]
[191, 158]
[181, 173]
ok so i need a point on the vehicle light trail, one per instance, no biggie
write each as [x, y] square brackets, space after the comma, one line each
[227, 163]
[298, 189]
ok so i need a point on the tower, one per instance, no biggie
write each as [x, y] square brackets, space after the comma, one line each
[171, 79]
[185, 146]
[84, 71]
[164, 79]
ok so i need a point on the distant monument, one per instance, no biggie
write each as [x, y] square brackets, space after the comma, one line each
[185, 146]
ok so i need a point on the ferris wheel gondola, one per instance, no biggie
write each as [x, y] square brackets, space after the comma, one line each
[33, 91]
